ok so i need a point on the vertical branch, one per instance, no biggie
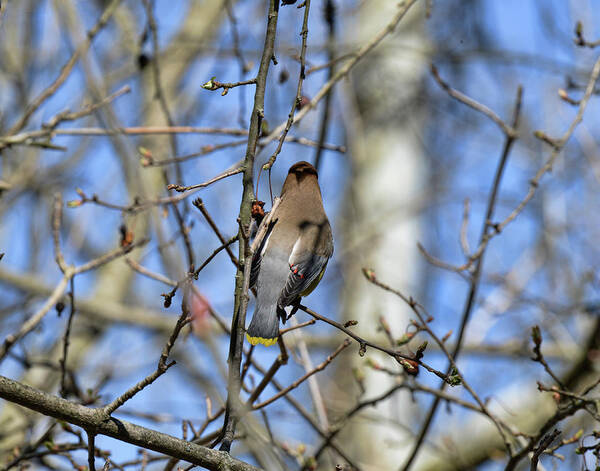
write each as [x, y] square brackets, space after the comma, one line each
[56, 222]
[329, 13]
[298, 98]
[160, 95]
[63, 361]
[91, 451]
[313, 385]
[242, 277]
[474, 282]
[62, 264]
[244, 68]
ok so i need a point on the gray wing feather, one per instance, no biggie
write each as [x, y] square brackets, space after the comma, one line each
[255, 269]
[308, 271]
[257, 257]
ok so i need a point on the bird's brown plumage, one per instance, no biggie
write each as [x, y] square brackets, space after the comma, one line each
[294, 255]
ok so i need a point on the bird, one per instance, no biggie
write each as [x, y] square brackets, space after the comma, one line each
[291, 259]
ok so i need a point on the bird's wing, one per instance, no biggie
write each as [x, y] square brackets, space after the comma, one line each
[302, 275]
[258, 254]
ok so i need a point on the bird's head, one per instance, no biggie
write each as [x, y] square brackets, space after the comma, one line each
[301, 176]
[301, 170]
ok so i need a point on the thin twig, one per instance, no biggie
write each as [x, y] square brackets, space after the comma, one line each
[67, 115]
[141, 205]
[307, 364]
[453, 367]
[237, 51]
[328, 64]
[110, 256]
[59, 291]
[221, 176]
[382, 397]
[298, 97]
[66, 70]
[299, 381]
[361, 341]
[581, 41]
[509, 131]
[150, 274]
[344, 70]
[214, 254]
[464, 229]
[198, 203]
[63, 360]
[162, 367]
[214, 84]
[268, 376]
[56, 222]
[210, 148]
[33, 137]
[557, 145]
[297, 326]
[536, 336]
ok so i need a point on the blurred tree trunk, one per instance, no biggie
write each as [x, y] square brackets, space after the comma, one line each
[382, 222]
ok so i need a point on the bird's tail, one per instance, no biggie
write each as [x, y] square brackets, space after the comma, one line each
[264, 327]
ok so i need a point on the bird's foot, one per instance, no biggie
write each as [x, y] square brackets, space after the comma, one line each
[295, 306]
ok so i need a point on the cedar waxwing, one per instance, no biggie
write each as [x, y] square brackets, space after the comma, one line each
[292, 257]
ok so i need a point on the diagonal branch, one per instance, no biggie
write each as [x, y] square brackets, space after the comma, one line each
[67, 68]
[93, 420]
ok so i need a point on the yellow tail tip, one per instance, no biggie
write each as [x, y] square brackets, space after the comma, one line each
[261, 340]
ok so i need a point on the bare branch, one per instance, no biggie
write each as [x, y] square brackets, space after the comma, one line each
[93, 419]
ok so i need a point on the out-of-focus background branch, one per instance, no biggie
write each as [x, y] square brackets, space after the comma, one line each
[118, 104]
